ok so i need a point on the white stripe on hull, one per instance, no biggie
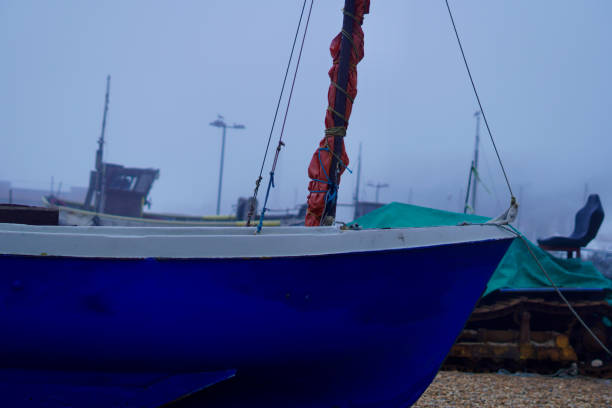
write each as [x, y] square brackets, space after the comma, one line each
[219, 242]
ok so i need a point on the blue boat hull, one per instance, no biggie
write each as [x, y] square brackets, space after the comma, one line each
[360, 329]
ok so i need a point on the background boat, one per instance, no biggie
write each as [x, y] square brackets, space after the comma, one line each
[72, 213]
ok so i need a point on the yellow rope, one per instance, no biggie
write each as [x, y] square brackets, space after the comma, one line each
[330, 151]
[351, 15]
[338, 87]
[341, 116]
[336, 131]
[350, 38]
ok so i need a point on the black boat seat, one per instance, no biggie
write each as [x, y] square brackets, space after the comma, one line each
[586, 226]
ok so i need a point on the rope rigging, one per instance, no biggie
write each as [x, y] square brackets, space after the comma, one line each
[280, 139]
[280, 97]
[467, 67]
[504, 220]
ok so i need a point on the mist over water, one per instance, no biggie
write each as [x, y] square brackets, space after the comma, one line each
[542, 70]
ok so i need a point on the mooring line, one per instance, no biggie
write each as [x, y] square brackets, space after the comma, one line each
[511, 229]
[467, 67]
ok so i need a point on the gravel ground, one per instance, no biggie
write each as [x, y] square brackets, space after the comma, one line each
[457, 389]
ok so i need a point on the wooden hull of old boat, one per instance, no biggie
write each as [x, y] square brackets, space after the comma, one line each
[73, 214]
[359, 326]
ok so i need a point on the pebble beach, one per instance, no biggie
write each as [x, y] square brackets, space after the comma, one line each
[459, 389]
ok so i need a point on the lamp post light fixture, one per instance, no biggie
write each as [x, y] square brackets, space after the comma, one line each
[220, 123]
[378, 186]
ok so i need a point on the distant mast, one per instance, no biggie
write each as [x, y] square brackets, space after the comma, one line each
[475, 169]
[473, 176]
[100, 155]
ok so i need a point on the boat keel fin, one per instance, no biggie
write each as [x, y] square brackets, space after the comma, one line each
[53, 389]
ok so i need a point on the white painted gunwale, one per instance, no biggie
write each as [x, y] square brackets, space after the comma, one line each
[228, 242]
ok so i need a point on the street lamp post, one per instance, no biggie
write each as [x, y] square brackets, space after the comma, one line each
[220, 123]
[378, 186]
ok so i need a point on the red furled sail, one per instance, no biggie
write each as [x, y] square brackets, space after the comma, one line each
[330, 159]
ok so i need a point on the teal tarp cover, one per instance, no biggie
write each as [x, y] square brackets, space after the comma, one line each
[517, 269]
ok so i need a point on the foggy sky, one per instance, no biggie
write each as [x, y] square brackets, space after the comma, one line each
[542, 69]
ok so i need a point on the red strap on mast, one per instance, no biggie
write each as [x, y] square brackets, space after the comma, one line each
[330, 159]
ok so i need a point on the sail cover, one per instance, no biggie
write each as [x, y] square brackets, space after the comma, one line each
[330, 159]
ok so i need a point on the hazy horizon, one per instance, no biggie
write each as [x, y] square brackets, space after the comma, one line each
[542, 70]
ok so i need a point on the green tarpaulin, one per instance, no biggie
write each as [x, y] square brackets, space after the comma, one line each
[517, 269]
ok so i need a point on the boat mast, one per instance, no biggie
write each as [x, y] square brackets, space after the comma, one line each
[475, 165]
[466, 206]
[473, 175]
[100, 179]
[340, 120]
[330, 160]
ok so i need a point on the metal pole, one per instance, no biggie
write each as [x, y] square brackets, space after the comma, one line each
[356, 209]
[220, 123]
[224, 127]
[475, 165]
[100, 168]
[378, 186]
[519, 218]
[467, 191]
